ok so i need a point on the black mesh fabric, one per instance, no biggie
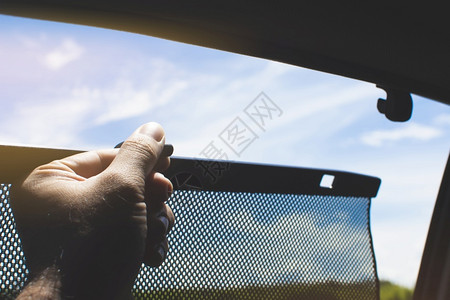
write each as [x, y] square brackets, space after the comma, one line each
[13, 272]
[229, 245]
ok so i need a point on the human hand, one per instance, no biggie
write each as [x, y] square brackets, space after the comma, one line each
[88, 221]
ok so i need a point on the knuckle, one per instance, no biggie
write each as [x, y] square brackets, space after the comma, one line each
[142, 145]
[124, 186]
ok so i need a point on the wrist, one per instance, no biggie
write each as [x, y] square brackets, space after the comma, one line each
[74, 272]
[44, 285]
[51, 284]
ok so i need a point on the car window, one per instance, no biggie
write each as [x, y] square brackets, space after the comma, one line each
[79, 87]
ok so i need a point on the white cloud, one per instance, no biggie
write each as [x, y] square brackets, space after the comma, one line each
[32, 42]
[442, 119]
[124, 100]
[401, 212]
[309, 104]
[398, 247]
[54, 122]
[65, 53]
[324, 114]
[58, 121]
[412, 131]
[53, 115]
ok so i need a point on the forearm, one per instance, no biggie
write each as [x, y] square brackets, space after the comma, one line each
[45, 285]
[80, 271]
[51, 284]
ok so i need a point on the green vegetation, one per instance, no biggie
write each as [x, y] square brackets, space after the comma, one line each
[390, 291]
[322, 291]
[318, 291]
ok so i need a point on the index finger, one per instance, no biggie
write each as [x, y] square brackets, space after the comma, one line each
[91, 163]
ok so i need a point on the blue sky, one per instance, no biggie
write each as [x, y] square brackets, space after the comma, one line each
[78, 87]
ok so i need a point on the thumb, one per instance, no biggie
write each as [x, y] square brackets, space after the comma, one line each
[140, 152]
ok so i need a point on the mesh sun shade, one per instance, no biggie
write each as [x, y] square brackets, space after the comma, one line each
[248, 231]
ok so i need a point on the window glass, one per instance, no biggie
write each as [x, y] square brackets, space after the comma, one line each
[81, 87]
